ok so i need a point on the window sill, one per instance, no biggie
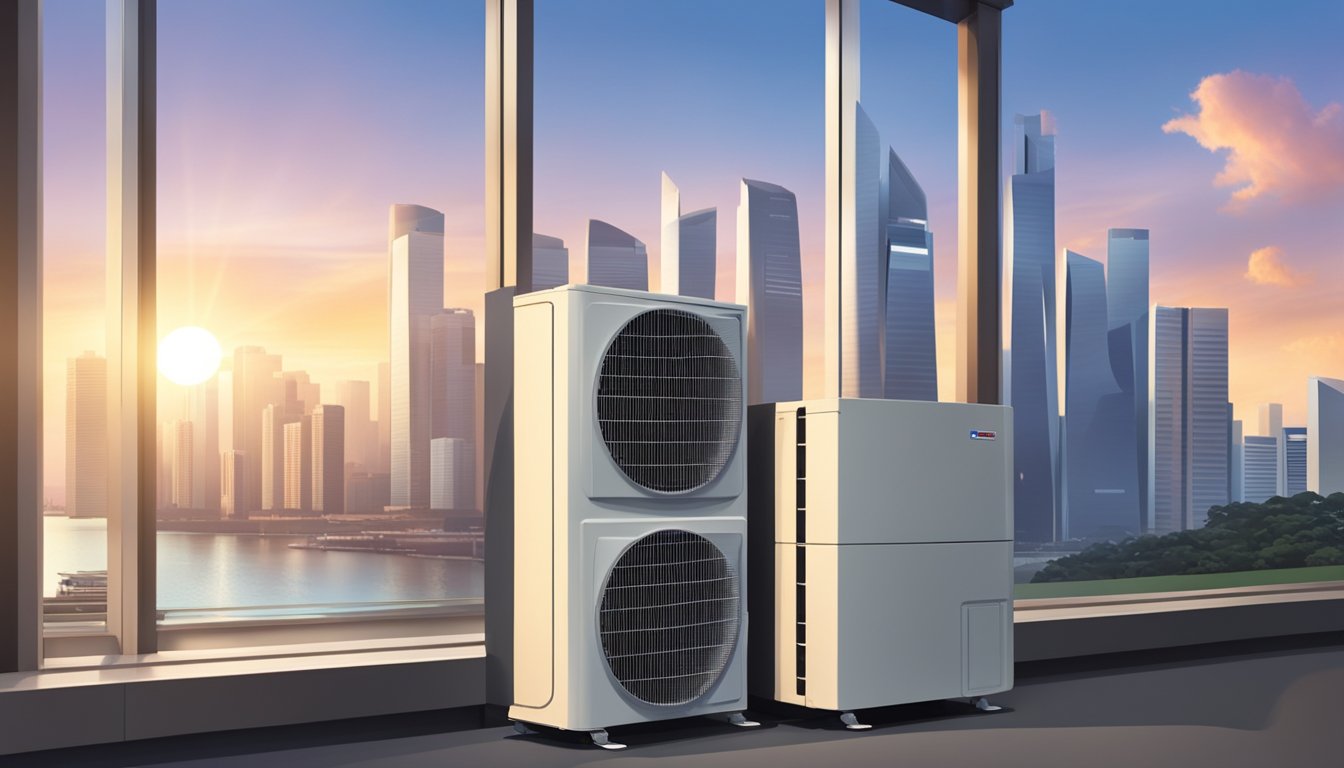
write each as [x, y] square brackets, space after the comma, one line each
[1054, 609]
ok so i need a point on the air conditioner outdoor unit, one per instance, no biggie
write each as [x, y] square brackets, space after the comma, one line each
[630, 509]
[882, 563]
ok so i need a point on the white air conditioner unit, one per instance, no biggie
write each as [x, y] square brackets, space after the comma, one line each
[882, 553]
[630, 509]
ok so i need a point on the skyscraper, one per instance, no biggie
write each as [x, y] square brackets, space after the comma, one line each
[255, 386]
[203, 413]
[298, 478]
[302, 394]
[361, 437]
[415, 246]
[182, 464]
[550, 262]
[1188, 421]
[231, 477]
[1294, 460]
[1127, 271]
[770, 283]
[910, 357]
[1259, 468]
[453, 365]
[274, 419]
[1325, 435]
[863, 269]
[1236, 457]
[453, 474]
[1271, 419]
[1101, 480]
[328, 470]
[616, 258]
[1030, 304]
[688, 253]
[384, 462]
[86, 436]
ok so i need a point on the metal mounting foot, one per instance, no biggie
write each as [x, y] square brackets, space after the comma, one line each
[599, 737]
[983, 705]
[851, 722]
[736, 718]
[521, 729]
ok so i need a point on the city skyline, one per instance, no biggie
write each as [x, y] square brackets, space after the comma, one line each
[1204, 255]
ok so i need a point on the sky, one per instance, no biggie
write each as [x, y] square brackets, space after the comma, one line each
[287, 127]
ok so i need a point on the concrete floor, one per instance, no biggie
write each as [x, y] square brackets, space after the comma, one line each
[1281, 707]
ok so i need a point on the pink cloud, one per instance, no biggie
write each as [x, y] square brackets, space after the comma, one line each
[1277, 144]
[1266, 267]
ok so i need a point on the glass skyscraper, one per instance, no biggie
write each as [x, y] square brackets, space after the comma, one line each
[616, 258]
[1127, 279]
[1188, 422]
[689, 254]
[415, 245]
[550, 262]
[863, 269]
[1325, 435]
[1294, 460]
[1101, 482]
[770, 283]
[1258, 468]
[1031, 372]
[910, 360]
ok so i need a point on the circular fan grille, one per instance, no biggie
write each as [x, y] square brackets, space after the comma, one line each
[669, 401]
[669, 617]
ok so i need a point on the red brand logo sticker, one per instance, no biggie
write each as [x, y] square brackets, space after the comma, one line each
[984, 434]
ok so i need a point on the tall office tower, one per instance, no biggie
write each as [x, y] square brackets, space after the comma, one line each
[1271, 419]
[361, 439]
[453, 474]
[302, 394]
[1236, 458]
[255, 386]
[86, 436]
[367, 492]
[863, 269]
[688, 258]
[616, 258]
[328, 469]
[182, 464]
[1271, 425]
[274, 419]
[203, 413]
[224, 411]
[416, 248]
[231, 478]
[1258, 468]
[384, 462]
[1294, 465]
[453, 366]
[298, 479]
[1101, 480]
[1325, 435]
[1188, 424]
[770, 283]
[550, 262]
[1127, 271]
[1030, 307]
[910, 359]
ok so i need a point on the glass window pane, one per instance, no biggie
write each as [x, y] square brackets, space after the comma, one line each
[74, 578]
[320, 228]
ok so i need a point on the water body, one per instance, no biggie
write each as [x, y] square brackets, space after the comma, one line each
[212, 570]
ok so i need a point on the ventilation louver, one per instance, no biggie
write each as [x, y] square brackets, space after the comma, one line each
[669, 617]
[669, 401]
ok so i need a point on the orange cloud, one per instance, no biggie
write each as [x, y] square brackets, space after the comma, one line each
[1277, 144]
[1266, 267]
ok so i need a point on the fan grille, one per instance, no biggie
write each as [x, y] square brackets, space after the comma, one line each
[669, 617]
[669, 401]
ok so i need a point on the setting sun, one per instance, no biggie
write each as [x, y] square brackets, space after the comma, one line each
[189, 355]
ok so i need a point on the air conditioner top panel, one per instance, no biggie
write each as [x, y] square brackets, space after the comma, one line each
[893, 472]
[624, 293]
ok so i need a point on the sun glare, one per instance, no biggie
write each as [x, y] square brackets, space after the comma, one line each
[189, 355]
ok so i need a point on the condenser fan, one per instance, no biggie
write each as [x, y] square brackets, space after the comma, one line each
[669, 401]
